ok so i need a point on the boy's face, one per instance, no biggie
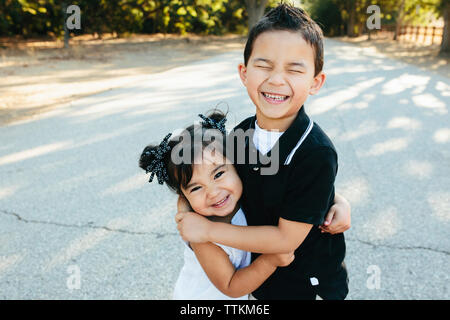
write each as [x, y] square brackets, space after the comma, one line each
[215, 187]
[279, 76]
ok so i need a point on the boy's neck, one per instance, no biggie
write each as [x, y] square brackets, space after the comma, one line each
[272, 124]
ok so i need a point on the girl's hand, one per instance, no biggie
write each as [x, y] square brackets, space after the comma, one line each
[280, 259]
[338, 219]
[192, 227]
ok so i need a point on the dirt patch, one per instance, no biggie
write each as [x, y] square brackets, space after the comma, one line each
[426, 57]
[38, 75]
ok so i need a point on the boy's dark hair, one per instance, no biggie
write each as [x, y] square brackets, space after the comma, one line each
[289, 18]
[180, 174]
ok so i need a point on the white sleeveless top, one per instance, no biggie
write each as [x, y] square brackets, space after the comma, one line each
[193, 283]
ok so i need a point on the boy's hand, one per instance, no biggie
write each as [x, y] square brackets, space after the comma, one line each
[192, 227]
[338, 219]
[280, 259]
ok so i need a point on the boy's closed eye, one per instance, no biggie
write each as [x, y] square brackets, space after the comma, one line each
[262, 63]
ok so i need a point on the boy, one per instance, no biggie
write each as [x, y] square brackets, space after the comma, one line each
[283, 61]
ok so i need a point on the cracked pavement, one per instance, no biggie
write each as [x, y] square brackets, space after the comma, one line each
[73, 198]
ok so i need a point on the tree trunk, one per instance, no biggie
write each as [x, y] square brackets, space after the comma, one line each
[66, 31]
[401, 14]
[445, 44]
[368, 2]
[255, 10]
[351, 18]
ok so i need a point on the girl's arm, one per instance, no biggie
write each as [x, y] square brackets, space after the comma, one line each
[231, 282]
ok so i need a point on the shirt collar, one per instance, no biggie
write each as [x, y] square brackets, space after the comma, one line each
[291, 136]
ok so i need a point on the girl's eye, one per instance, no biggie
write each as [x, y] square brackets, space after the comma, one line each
[296, 71]
[219, 174]
[195, 189]
[263, 67]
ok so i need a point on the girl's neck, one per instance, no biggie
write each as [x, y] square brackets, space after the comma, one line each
[227, 218]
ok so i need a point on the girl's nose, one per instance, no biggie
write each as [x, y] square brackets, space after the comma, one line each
[213, 193]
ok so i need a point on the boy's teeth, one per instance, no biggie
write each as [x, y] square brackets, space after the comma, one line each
[275, 97]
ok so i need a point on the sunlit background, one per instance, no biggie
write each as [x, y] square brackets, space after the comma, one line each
[75, 115]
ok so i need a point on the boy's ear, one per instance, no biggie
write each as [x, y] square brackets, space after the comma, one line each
[318, 82]
[242, 69]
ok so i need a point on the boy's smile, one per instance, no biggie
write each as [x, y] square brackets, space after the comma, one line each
[274, 98]
[279, 77]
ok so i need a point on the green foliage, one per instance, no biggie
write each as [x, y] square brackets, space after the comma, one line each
[327, 14]
[41, 17]
[339, 17]
[420, 12]
[45, 17]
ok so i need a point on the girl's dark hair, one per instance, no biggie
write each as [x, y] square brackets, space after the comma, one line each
[289, 18]
[179, 174]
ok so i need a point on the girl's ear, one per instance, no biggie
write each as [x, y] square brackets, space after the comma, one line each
[242, 69]
[317, 83]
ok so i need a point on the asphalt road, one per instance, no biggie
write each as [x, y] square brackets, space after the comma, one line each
[78, 219]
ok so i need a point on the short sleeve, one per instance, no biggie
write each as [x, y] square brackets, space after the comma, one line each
[310, 191]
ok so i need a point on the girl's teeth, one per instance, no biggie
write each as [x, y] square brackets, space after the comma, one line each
[220, 202]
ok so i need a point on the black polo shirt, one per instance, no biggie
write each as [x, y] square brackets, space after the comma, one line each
[301, 190]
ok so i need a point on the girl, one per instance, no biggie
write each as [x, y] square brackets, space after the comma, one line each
[212, 187]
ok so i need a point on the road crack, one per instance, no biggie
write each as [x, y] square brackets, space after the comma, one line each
[378, 245]
[86, 225]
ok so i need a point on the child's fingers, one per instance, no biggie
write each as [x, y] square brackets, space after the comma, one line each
[329, 230]
[179, 216]
[329, 217]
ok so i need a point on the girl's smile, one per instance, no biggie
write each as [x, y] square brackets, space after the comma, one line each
[222, 202]
[215, 187]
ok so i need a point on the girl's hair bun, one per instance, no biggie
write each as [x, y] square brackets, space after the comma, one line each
[216, 115]
[215, 119]
[154, 159]
[147, 157]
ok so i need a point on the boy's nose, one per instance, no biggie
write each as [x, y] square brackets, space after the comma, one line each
[276, 79]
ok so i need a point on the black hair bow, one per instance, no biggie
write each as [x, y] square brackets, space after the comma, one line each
[219, 125]
[157, 165]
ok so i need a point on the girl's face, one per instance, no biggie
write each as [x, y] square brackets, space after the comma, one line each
[215, 187]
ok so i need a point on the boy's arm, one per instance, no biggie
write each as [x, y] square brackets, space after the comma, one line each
[231, 282]
[262, 239]
[306, 204]
[284, 238]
